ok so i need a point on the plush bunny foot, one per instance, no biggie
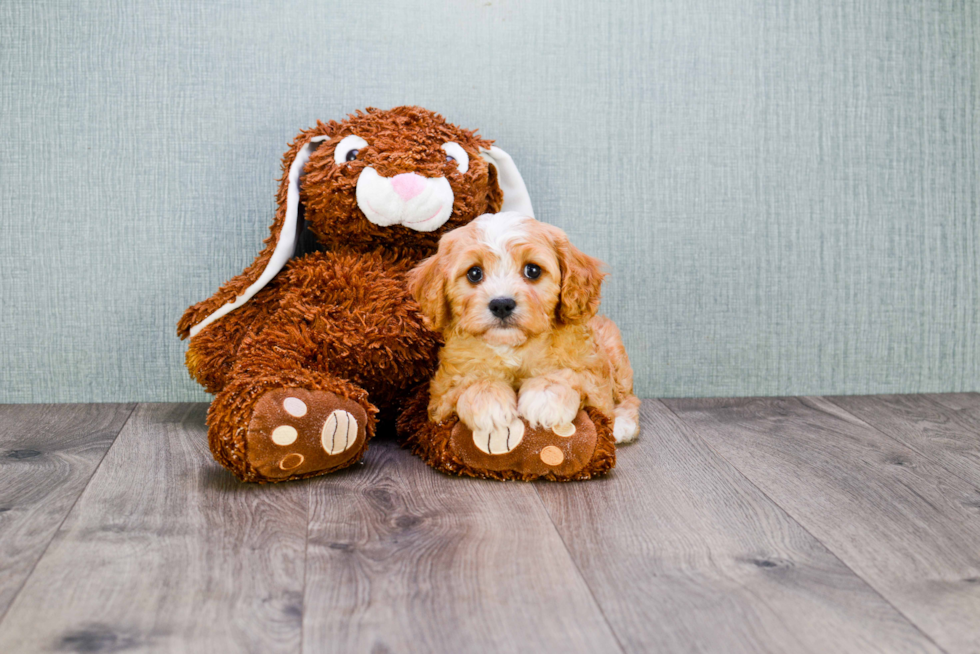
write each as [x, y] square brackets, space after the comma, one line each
[579, 449]
[299, 433]
[559, 452]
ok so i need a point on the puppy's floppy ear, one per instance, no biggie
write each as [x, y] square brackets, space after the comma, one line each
[581, 281]
[427, 283]
[516, 197]
[281, 244]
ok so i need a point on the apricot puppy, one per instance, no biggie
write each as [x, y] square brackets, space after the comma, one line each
[516, 304]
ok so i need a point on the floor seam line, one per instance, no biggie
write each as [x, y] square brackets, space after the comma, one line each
[578, 571]
[790, 515]
[936, 462]
[306, 562]
[57, 529]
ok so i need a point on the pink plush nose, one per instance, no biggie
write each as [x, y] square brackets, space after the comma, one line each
[407, 185]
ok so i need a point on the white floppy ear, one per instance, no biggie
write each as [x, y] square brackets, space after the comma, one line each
[285, 246]
[516, 197]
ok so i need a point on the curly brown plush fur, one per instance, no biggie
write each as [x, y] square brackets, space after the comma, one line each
[338, 323]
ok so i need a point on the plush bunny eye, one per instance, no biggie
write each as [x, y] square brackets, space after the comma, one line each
[532, 271]
[474, 274]
[348, 148]
[456, 153]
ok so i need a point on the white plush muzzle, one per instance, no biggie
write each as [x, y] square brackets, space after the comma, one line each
[417, 202]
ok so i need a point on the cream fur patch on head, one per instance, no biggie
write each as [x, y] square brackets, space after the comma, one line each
[501, 230]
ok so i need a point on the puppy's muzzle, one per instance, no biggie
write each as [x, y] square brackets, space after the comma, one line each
[502, 307]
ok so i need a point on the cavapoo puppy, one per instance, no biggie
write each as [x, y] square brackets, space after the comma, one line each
[516, 303]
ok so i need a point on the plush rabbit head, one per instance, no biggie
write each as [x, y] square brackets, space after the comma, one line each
[394, 180]
[399, 178]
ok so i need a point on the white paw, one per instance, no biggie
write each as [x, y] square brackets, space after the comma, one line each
[500, 440]
[488, 415]
[549, 406]
[625, 430]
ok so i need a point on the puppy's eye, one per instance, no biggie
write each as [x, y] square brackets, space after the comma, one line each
[532, 271]
[348, 149]
[474, 274]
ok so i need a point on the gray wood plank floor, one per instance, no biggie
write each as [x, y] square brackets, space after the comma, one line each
[845, 524]
[47, 455]
[902, 522]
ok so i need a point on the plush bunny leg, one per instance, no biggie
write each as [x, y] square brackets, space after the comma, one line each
[336, 323]
[293, 424]
[282, 417]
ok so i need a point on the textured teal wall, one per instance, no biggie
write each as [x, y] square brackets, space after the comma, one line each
[786, 191]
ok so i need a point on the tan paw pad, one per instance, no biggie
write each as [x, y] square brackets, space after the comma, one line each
[565, 431]
[551, 455]
[284, 435]
[294, 407]
[292, 460]
[339, 432]
[500, 441]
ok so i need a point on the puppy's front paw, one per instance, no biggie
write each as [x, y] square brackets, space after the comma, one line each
[489, 409]
[548, 403]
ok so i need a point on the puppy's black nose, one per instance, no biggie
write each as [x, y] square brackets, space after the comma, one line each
[502, 306]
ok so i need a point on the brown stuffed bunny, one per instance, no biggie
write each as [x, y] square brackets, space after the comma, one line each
[306, 353]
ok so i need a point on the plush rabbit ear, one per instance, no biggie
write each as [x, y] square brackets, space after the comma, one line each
[285, 246]
[516, 197]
